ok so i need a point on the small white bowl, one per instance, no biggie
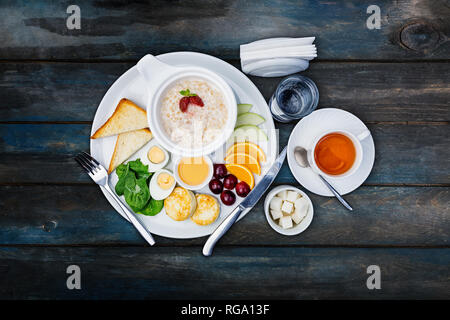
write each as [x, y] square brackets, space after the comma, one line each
[296, 229]
[187, 186]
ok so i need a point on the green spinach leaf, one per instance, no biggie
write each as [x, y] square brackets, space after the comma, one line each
[124, 174]
[136, 192]
[152, 208]
[133, 184]
[122, 169]
[139, 168]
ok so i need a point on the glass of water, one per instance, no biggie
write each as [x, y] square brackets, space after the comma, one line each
[295, 98]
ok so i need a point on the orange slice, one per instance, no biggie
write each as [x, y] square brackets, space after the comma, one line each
[244, 159]
[249, 148]
[242, 173]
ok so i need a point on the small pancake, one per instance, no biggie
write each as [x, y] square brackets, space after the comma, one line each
[207, 211]
[180, 204]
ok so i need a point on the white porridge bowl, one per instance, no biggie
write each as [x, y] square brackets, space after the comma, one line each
[210, 123]
[298, 228]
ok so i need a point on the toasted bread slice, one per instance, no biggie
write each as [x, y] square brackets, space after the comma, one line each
[127, 144]
[127, 117]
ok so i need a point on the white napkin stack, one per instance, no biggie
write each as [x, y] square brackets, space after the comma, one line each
[277, 57]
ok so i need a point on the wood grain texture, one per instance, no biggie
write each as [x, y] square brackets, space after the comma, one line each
[396, 79]
[130, 29]
[233, 273]
[372, 91]
[405, 154]
[80, 215]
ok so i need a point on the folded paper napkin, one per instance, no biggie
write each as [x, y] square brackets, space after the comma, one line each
[277, 57]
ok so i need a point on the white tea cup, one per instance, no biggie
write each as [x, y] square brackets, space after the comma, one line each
[355, 139]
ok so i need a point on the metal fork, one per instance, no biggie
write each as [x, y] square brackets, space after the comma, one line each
[100, 176]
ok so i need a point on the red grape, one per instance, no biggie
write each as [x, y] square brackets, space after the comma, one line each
[242, 189]
[216, 186]
[227, 197]
[220, 171]
[230, 181]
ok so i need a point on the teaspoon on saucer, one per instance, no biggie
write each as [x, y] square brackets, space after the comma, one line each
[300, 155]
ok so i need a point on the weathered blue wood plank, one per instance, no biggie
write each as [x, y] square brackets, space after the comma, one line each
[54, 91]
[374, 91]
[80, 215]
[232, 273]
[128, 30]
[405, 154]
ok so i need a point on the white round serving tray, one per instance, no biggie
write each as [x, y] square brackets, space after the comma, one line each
[132, 86]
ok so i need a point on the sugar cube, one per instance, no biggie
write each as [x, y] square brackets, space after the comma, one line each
[300, 203]
[276, 214]
[292, 196]
[299, 214]
[275, 203]
[287, 207]
[282, 195]
[286, 222]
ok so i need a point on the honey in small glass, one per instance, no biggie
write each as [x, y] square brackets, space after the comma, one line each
[193, 171]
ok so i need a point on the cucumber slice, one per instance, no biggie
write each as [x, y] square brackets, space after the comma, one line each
[249, 118]
[243, 108]
[248, 132]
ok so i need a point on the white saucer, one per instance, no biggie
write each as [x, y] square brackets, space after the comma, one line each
[315, 124]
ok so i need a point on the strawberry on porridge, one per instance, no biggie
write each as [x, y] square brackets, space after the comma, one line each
[193, 113]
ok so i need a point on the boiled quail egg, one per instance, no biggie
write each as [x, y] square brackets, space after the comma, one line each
[157, 157]
[161, 184]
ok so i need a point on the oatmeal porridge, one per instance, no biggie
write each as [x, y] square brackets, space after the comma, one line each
[193, 113]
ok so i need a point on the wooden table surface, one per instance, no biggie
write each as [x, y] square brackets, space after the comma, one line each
[396, 79]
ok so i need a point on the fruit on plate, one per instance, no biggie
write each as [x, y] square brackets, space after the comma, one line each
[249, 118]
[227, 197]
[207, 210]
[181, 204]
[197, 101]
[230, 181]
[242, 189]
[184, 103]
[242, 173]
[243, 108]
[244, 159]
[248, 132]
[249, 148]
[189, 98]
[220, 171]
[216, 186]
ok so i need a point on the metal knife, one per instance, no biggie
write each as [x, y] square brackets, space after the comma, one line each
[248, 203]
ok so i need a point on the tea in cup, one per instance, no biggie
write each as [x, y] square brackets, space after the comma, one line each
[337, 153]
